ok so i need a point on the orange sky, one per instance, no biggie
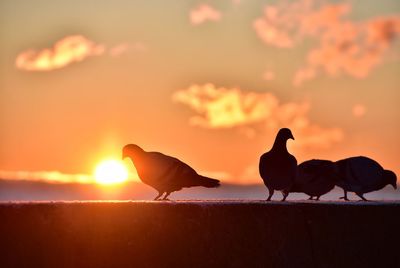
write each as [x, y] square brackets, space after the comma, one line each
[209, 83]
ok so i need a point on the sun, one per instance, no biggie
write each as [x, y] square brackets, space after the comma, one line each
[110, 172]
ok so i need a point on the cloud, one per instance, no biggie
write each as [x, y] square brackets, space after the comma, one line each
[302, 75]
[47, 176]
[122, 48]
[343, 46]
[119, 49]
[353, 49]
[359, 110]
[68, 50]
[268, 75]
[236, 2]
[220, 107]
[203, 13]
[275, 27]
[54, 176]
[223, 107]
[287, 23]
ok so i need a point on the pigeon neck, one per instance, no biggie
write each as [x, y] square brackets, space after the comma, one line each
[279, 144]
[134, 157]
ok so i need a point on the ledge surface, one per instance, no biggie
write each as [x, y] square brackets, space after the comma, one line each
[199, 234]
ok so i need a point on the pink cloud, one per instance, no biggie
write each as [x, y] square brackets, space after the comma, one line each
[302, 75]
[220, 107]
[119, 49]
[54, 176]
[122, 48]
[236, 2]
[353, 49]
[268, 75]
[66, 51]
[288, 23]
[280, 24]
[47, 176]
[342, 45]
[359, 110]
[203, 13]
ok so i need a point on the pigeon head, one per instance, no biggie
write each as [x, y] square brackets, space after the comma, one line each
[281, 138]
[285, 134]
[131, 150]
[390, 178]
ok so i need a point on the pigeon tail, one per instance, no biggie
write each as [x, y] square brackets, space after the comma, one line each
[208, 182]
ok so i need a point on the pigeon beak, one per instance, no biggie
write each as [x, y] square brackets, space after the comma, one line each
[291, 136]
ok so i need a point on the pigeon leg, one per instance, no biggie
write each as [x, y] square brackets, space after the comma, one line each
[271, 193]
[284, 196]
[345, 196]
[317, 199]
[311, 197]
[166, 195]
[158, 196]
[362, 197]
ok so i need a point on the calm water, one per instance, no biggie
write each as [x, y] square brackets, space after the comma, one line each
[35, 191]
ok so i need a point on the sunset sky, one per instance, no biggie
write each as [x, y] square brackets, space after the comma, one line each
[209, 82]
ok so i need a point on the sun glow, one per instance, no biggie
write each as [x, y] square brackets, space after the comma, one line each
[110, 172]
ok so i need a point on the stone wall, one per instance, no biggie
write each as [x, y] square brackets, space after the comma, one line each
[199, 234]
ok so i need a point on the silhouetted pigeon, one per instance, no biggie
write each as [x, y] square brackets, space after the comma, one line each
[164, 173]
[278, 167]
[315, 178]
[363, 175]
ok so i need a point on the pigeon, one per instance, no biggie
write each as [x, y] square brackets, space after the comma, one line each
[278, 167]
[315, 178]
[363, 175]
[164, 173]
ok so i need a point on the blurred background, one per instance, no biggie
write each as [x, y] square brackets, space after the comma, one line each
[209, 82]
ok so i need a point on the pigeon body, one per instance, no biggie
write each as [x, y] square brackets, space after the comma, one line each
[164, 173]
[278, 167]
[363, 175]
[315, 178]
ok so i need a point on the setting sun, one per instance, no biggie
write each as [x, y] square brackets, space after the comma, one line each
[110, 172]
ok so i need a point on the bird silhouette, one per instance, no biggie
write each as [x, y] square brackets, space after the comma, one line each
[278, 167]
[164, 173]
[363, 175]
[315, 178]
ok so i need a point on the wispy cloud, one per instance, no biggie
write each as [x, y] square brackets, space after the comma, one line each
[204, 13]
[53, 176]
[236, 2]
[122, 48]
[47, 176]
[359, 110]
[220, 107]
[119, 49]
[268, 75]
[303, 75]
[66, 51]
[343, 46]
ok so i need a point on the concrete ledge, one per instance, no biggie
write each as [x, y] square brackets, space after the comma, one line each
[199, 234]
